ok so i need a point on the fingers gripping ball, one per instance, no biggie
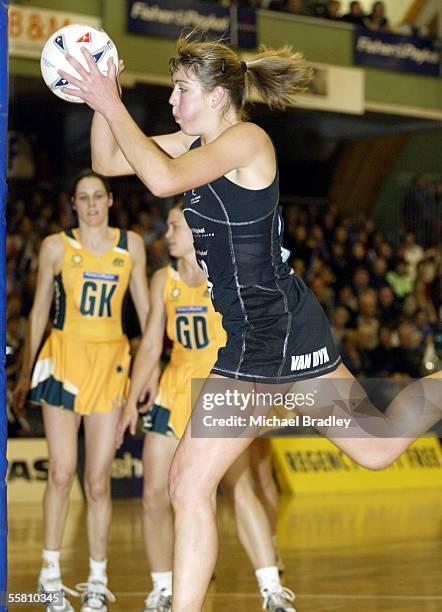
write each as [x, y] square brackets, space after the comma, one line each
[70, 40]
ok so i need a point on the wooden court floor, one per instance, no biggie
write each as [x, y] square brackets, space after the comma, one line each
[344, 553]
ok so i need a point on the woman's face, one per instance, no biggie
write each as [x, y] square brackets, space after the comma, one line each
[92, 201]
[178, 236]
[190, 103]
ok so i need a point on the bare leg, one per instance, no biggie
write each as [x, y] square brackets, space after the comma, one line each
[100, 431]
[197, 468]
[251, 520]
[61, 430]
[262, 470]
[158, 453]
[200, 463]
[375, 439]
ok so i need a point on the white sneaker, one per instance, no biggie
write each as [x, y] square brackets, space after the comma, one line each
[95, 596]
[158, 601]
[279, 600]
[55, 585]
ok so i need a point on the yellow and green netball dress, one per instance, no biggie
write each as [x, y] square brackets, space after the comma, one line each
[196, 332]
[84, 364]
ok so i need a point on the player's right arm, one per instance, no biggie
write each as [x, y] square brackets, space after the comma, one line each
[148, 354]
[107, 158]
[49, 264]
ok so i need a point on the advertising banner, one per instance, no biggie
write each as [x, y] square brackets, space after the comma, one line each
[394, 52]
[170, 18]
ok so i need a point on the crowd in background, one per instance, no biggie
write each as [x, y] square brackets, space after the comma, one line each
[384, 302]
[336, 10]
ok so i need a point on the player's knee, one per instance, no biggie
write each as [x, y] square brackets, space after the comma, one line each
[155, 498]
[377, 458]
[61, 478]
[185, 491]
[179, 491]
[97, 489]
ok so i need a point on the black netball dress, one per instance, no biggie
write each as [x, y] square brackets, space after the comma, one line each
[277, 332]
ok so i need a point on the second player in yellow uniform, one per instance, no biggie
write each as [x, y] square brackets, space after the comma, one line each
[197, 333]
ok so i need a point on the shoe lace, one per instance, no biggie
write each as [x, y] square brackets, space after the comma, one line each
[281, 596]
[55, 584]
[95, 590]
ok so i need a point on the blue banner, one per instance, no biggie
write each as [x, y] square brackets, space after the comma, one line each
[169, 18]
[3, 189]
[394, 52]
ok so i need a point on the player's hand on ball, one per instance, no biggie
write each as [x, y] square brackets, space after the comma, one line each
[128, 419]
[100, 92]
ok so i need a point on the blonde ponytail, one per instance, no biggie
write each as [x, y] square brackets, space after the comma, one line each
[277, 75]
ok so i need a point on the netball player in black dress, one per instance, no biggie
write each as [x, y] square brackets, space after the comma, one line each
[277, 334]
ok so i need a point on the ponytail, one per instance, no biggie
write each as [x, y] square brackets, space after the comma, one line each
[277, 76]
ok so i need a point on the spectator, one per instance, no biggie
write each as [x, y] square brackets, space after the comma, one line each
[377, 19]
[350, 354]
[347, 299]
[355, 15]
[358, 257]
[333, 8]
[409, 354]
[413, 253]
[298, 266]
[294, 7]
[423, 301]
[339, 264]
[298, 243]
[385, 250]
[367, 314]
[339, 322]
[388, 308]
[366, 341]
[319, 9]
[361, 280]
[341, 235]
[399, 279]
[385, 358]
[324, 294]
[378, 271]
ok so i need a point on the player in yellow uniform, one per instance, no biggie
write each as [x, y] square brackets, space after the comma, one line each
[181, 305]
[82, 370]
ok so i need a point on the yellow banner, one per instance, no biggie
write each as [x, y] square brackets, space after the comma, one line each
[28, 471]
[315, 465]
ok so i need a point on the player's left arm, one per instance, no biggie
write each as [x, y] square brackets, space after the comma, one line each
[237, 147]
[138, 286]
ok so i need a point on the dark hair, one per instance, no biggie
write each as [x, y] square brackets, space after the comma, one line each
[276, 75]
[89, 173]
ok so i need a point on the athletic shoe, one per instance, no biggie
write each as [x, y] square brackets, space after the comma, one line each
[158, 601]
[95, 596]
[279, 600]
[52, 585]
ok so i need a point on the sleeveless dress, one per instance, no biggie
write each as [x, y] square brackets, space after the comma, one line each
[197, 334]
[277, 332]
[84, 363]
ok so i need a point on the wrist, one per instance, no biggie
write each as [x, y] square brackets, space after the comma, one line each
[113, 110]
[130, 406]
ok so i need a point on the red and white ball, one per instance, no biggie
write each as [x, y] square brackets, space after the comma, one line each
[70, 39]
